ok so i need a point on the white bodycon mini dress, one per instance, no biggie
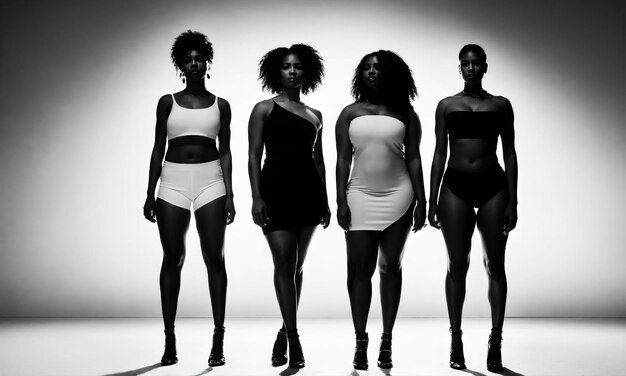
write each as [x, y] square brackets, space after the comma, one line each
[379, 189]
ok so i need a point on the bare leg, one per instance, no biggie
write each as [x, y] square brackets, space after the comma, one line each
[490, 224]
[173, 223]
[211, 226]
[304, 236]
[390, 267]
[457, 226]
[284, 246]
[362, 248]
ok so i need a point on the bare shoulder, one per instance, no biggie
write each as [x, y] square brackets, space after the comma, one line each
[502, 103]
[221, 102]
[263, 107]
[164, 106]
[448, 101]
[351, 111]
[166, 99]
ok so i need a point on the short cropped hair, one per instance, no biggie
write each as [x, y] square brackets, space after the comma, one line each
[191, 41]
[474, 48]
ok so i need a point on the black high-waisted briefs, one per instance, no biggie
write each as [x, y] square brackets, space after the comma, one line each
[475, 188]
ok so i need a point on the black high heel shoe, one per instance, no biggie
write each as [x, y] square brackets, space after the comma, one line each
[360, 351]
[457, 359]
[296, 357]
[169, 355]
[384, 356]
[494, 352]
[279, 351]
[216, 357]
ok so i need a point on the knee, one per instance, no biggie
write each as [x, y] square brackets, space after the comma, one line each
[458, 270]
[173, 262]
[495, 270]
[299, 270]
[285, 265]
[214, 261]
[390, 269]
[358, 272]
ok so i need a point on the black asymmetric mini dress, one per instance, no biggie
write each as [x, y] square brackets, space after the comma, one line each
[293, 191]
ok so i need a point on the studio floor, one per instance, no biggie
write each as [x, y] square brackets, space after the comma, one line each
[124, 347]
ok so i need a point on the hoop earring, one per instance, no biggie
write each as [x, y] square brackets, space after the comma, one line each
[182, 76]
[208, 75]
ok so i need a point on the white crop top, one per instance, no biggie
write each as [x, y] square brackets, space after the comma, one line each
[193, 121]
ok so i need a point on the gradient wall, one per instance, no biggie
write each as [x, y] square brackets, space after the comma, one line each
[81, 80]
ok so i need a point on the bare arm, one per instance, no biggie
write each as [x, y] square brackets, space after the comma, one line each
[318, 156]
[158, 152]
[226, 158]
[255, 153]
[414, 164]
[510, 166]
[439, 160]
[342, 171]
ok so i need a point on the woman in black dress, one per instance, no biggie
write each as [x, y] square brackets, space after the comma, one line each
[289, 193]
[472, 121]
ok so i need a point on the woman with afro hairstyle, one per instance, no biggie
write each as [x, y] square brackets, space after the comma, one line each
[472, 121]
[196, 172]
[289, 193]
[383, 195]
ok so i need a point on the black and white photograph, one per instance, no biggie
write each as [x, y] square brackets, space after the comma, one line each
[312, 188]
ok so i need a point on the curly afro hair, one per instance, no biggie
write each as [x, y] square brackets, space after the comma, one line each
[478, 50]
[190, 41]
[312, 65]
[397, 85]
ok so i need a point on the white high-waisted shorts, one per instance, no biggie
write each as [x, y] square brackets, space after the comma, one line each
[185, 183]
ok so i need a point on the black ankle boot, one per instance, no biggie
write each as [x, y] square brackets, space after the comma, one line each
[360, 351]
[169, 355]
[494, 354]
[384, 356]
[296, 357]
[457, 359]
[279, 352]
[216, 357]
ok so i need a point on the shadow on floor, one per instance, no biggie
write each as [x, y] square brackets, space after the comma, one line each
[136, 372]
[473, 373]
[509, 372]
[289, 371]
[204, 372]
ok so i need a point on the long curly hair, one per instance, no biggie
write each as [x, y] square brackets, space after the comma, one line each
[190, 41]
[397, 85]
[312, 65]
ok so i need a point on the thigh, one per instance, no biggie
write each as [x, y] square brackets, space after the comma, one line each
[211, 225]
[173, 222]
[394, 237]
[362, 250]
[491, 227]
[457, 224]
[283, 245]
[303, 239]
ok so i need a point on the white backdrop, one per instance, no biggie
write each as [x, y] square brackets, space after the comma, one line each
[80, 84]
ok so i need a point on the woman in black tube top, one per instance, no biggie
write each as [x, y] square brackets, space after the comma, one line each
[473, 120]
[289, 193]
